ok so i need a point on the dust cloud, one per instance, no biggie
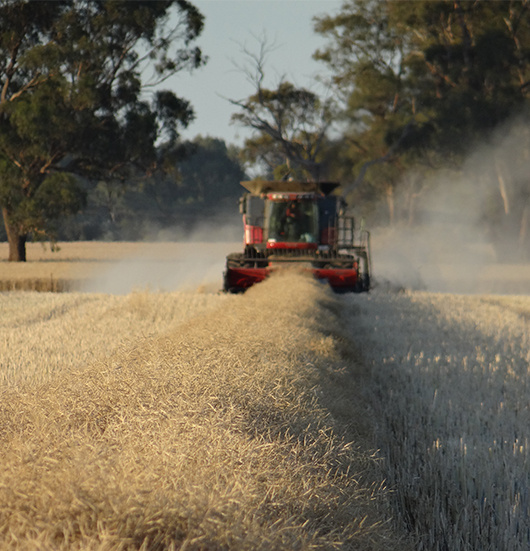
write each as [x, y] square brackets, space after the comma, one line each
[176, 262]
[464, 230]
[469, 233]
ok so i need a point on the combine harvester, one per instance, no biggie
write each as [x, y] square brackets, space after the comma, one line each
[298, 224]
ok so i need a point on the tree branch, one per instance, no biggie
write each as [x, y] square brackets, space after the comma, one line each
[379, 160]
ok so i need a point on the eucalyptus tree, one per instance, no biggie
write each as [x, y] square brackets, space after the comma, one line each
[370, 60]
[289, 123]
[73, 101]
[422, 82]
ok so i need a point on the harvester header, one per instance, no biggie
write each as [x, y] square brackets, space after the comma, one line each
[302, 224]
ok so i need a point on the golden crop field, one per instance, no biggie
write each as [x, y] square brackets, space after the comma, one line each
[185, 420]
[42, 334]
[116, 267]
[155, 412]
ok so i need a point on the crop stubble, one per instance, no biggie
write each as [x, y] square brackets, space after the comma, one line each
[231, 430]
[450, 393]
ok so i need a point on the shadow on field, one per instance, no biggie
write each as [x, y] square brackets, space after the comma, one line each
[242, 429]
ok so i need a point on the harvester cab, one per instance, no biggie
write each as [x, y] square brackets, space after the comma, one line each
[299, 224]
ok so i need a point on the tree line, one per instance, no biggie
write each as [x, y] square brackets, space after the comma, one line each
[90, 142]
[417, 90]
[202, 185]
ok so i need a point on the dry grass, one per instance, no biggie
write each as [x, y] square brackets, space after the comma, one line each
[450, 392]
[225, 433]
[116, 267]
[44, 334]
[75, 251]
[61, 270]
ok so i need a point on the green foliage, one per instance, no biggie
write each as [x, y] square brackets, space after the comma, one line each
[290, 127]
[422, 83]
[72, 98]
[198, 184]
[212, 173]
[60, 193]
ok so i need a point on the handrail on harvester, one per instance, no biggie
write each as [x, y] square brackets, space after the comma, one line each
[258, 187]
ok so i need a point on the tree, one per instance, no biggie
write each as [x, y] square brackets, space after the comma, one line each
[422, 82]
[212, 172]
[369, 58]
[290, 123]
[263, 154]
[73, 102]
[473, 61]
[201, 185]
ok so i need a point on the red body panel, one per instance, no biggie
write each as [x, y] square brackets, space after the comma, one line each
[243, 278]
[293, 246]
[338, 278]
[253, 235]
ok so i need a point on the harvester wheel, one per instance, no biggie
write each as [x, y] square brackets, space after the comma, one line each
[235, 260]
[363, 284]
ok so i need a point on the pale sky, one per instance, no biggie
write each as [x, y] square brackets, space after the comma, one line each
[231, 25]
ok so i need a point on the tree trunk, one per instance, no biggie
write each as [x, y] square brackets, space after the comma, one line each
[523, 228]
[16, 239]
[389, 194]
[502, 188]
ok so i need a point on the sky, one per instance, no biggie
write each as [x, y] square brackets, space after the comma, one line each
[234, 25]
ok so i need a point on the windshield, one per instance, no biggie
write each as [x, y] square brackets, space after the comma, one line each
[293, 221]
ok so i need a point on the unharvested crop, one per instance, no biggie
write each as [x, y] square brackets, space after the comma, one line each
[116, 268]
[238, 429]
[44, 334]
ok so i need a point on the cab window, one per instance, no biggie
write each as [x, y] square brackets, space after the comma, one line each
[293, 221]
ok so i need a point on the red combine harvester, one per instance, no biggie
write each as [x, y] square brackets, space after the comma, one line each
[300, 224]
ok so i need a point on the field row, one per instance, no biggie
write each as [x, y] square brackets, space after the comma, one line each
[450, 390]
[174, 420]
[117, 267]
[43, 334]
